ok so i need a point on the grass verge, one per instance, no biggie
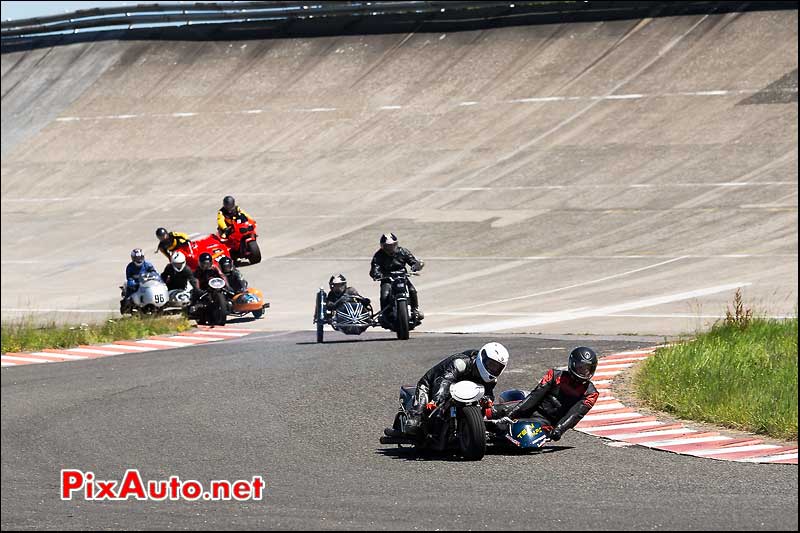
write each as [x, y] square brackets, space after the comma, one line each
[25, 335]
[741, 374]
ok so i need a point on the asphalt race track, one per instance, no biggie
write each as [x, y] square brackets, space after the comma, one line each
[601, 183]
[308, 418]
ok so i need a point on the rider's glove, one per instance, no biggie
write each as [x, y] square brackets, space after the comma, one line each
[416, 267]
[430, 407]
[505, 420]
[487, 404]
[555, 434]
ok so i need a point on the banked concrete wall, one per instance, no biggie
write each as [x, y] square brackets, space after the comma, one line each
[606, 177]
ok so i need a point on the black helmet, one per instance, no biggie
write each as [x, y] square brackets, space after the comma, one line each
[205, 261]
[339, 280]
[389, 243]
[162, 234]
[226, 264]
[229, 203]
[582, 363]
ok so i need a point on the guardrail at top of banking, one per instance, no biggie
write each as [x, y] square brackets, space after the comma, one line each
[105, 17]
[280, 15]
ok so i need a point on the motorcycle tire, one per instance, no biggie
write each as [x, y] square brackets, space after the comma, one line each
[253, 252]
[320, 331]
[471, 434]
[402, 322]
[218, 312]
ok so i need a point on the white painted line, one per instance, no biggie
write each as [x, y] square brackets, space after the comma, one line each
[645, 352]
[606, 374]
[93, 351]
[191, 338]
[220, 334]
[183, 114]
[12, 358]
[165, 343]
[687, 440]
[60, 355]
[8, 364]
[253, 111]
[770, 458]
[128, 347]
[539, 99]
[655, 433]
[611, 364]
[733, 449]
[621, 427]
[229, 328]
[607, 407]
[623, 97]
[632, 360]
[574, 286]
[391, 107]
[464, 104]
[612, 416]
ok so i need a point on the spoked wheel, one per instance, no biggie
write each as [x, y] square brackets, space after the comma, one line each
[471, 434]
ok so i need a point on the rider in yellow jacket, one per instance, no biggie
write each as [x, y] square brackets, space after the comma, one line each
[168, 241]
[228, 214]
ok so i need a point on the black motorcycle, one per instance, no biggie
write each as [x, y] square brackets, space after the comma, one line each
[456, 426]
[397, 316]
[211, 307]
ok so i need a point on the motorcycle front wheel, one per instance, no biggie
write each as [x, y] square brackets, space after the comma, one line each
[402, 321]
[219, 314]
[471, 434]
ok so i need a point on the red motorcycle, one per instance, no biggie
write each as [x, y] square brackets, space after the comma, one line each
[211, 244]
[241, 240]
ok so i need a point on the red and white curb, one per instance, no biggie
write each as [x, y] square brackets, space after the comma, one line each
[611, 419]
[200, 335]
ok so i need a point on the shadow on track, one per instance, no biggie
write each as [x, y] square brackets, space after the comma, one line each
[343, 341]
[410, 454]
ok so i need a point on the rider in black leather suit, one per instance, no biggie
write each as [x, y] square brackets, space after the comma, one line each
[482, 366]
[391, 257]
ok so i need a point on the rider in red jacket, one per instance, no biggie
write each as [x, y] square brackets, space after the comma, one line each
[561, 398]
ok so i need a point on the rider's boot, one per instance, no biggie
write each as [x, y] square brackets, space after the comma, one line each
[417, 312]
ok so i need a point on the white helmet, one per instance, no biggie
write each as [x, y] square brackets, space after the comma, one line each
[389, 243]
[178, 261]
[492, 360]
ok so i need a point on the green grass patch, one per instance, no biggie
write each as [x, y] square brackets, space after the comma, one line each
[740, 374]
[24, 335]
